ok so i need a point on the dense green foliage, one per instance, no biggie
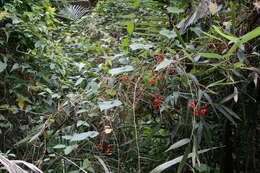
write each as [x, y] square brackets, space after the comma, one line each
[130, 86]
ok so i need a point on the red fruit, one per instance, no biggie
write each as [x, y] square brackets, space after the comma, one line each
[192, 106]
[196, 113]
[100, 146]
[107, 151]
[203, 111]
[159, 59]
[153, 80]
[157, 102]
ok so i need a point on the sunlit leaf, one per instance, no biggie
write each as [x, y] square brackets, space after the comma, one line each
[83, 136]
[178, 144]
[170, 163]
[119, 70]
[59, 146]
[175, 10]
[210, 55]
[2, 66]
[109, 104]
[167, 33]
[136, 46]
[130, 26]
[163, 64]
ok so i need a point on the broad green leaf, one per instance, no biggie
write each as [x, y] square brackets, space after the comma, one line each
[2, 66]
[69, 149]
[109, 104]
[251, 35]
[136, 46]
[167, 33]
[79, 81]
[178, 144]
[163, 64]
[83, 136]
[119, 70]
[210, 55]
[175, 10]
[170, 163]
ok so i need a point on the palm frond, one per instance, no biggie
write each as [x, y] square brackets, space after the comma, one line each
[73, 12]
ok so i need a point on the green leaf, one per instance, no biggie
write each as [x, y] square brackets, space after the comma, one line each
[163, 64]
[167, 33]
[136, 46]
[229, 37]
[83, 136]
[59, 146]
[251, 35]
[119, 70]
[69, 149]
[210, 55]
[170, 163]
[130, 27]
[175, 10]
[79, 81]
[178, 144]
[2, 66]
[109, 104]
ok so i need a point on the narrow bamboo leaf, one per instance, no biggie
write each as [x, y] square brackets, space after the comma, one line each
[251, 35]
[231, 112]
[178, 144]
[229, 37]
[170, 163]
[211, 55]
[227, 98]
[175, 10]
[184, 159]
[220, 109]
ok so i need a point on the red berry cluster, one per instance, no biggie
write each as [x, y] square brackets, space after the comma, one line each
[157, 101]
[197, 112]
[159, 58]
[107, 151]
[153, 81]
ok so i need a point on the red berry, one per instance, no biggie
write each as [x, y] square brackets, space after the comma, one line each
[192, 106]
[100, 146]
[196, 113]
[159, 59]
[203, 111]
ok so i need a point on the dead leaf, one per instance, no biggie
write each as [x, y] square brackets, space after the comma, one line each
[235, 94]
[213, 8]
[21, 103]
[257, 4]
